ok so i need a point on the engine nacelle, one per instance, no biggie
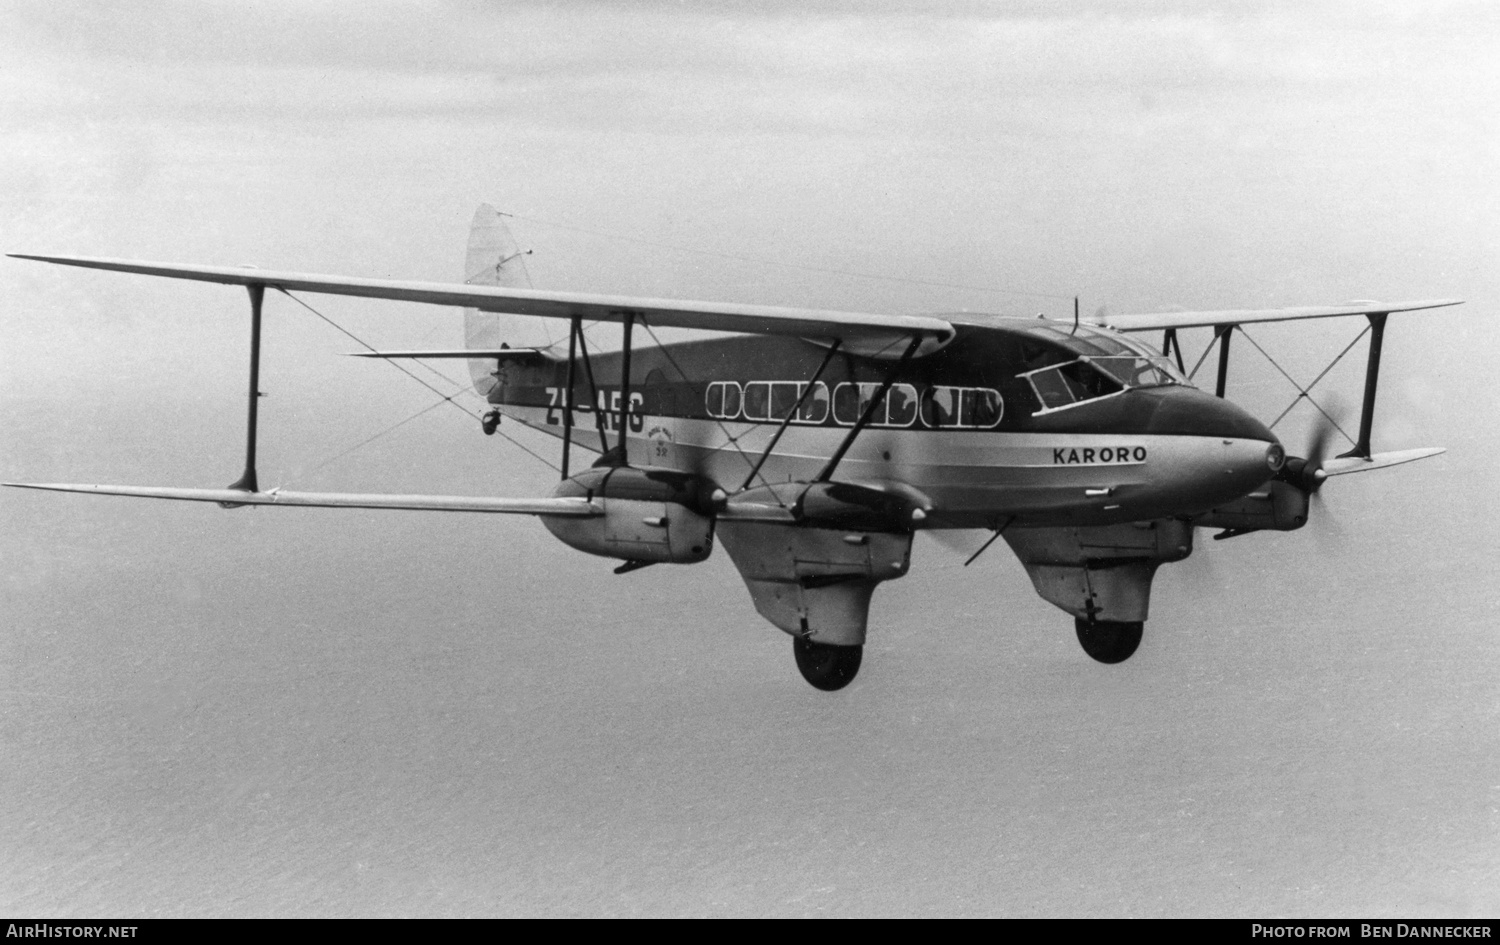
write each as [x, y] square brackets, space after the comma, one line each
[844, 505]
[1278, 506]
[650, 515]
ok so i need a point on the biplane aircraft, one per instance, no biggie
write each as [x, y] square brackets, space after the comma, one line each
[813, 444]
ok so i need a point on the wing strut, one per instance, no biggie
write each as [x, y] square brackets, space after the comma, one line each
[1372, 380]
[1221, 335]
[628, 318]
[573, 330]
[247, 481]
[588, 371]
[1171, 346]
[796, 408]
[875, 402]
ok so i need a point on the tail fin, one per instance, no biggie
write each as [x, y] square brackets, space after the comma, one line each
[494, 259]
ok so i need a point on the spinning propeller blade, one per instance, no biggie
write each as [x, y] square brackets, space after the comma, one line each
[1307, 473]
[1317, 449]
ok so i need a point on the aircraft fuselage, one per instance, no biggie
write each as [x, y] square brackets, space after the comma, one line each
[1015, 419]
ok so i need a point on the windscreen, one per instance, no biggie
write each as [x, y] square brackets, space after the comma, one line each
[1107, 363]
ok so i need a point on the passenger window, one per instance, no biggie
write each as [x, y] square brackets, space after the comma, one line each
[815, 407]
[847, 403]
[939, 407]
[900, 406]
[961, 407]
[784, 398]
[982, 407]
[722, 400]
[758, 400]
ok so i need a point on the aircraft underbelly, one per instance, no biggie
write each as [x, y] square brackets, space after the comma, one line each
[971, 478]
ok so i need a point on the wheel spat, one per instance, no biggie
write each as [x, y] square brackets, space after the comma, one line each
[826, 666]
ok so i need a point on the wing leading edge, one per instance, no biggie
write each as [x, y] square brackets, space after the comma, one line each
[868, 332]
[1163, 320]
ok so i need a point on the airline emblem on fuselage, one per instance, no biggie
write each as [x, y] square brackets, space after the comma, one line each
[1090, 455]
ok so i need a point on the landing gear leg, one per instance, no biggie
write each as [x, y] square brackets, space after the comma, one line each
[826, 666]
[1109, 641]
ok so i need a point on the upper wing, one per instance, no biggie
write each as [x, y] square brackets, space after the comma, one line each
[515, 354]
[862, 333]
[1159, 320]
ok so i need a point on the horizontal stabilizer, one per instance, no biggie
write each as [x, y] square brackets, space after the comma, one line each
[499, 353]
[563, 507]
[1160, 320]
[1344, 465]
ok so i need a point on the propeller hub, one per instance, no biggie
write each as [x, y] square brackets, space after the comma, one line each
[1305, 474]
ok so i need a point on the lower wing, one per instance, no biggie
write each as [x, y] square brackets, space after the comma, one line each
[561, 507]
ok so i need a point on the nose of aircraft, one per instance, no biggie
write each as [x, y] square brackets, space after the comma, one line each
[1218, 452]
[1187, 411]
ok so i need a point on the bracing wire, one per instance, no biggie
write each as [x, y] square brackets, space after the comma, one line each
[446, 398]
[1305, 392]
[731, 439]
[365, 442]
[1203, 357]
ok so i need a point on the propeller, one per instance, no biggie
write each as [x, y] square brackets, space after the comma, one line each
[709, 495]
[1306, 473]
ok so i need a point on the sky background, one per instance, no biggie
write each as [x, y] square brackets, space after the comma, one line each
[343, 712]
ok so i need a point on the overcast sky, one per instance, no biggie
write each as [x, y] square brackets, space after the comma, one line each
[1142, 156]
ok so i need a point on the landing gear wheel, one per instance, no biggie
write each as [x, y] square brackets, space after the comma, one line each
[1109, 641]
[826, 666]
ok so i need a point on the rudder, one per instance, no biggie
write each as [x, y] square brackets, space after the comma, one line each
[494, 258]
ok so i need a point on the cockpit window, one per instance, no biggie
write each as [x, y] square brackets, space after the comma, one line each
[1071, 383]
[1103, 364]
[1087, 341]
[1091, 378]
[1135, 371]
[1083, 340]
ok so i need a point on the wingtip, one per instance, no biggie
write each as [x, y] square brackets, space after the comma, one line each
[1424, 304]
[52, 258]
